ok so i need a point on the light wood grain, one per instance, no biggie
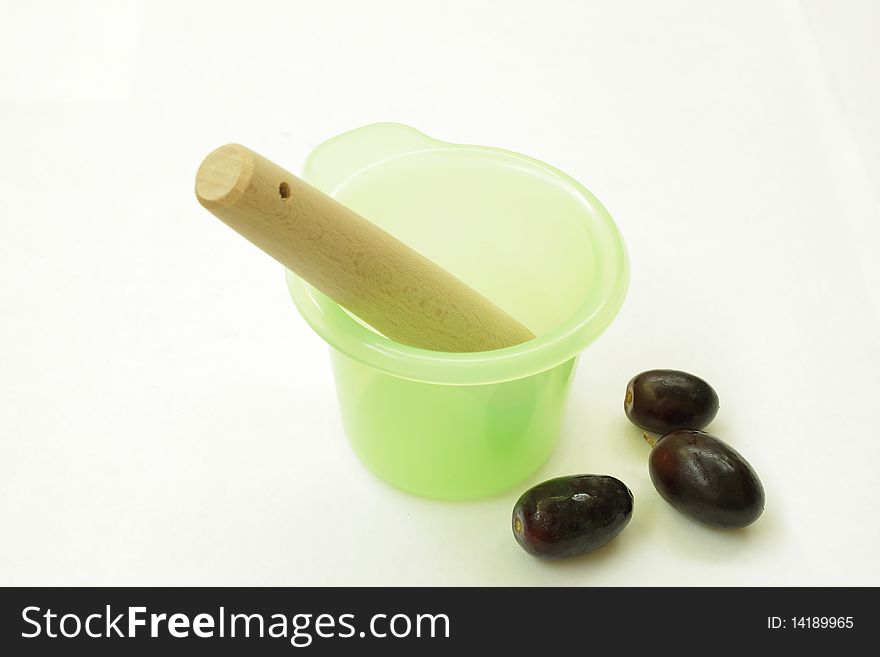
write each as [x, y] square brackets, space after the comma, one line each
[366, 270]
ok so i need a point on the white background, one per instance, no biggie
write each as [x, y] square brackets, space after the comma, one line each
[166, 417]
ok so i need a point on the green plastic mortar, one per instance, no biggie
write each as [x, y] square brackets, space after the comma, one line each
[530, 238]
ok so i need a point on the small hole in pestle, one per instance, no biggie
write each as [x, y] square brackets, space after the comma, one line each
[284, 190]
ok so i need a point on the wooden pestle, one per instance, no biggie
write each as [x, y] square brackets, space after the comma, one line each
[380, 279]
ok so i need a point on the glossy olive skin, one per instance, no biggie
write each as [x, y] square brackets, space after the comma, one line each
[665, 400]
[571, 515]
[706, 479]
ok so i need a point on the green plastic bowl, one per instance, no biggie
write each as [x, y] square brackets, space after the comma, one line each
[460, 426]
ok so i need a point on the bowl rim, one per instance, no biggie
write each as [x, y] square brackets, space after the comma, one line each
[348, 336]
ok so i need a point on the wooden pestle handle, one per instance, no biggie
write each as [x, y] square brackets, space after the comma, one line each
[380, 279]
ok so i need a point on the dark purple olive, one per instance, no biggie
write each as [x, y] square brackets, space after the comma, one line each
[706, 479]
[571, 515]
[665, 400]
